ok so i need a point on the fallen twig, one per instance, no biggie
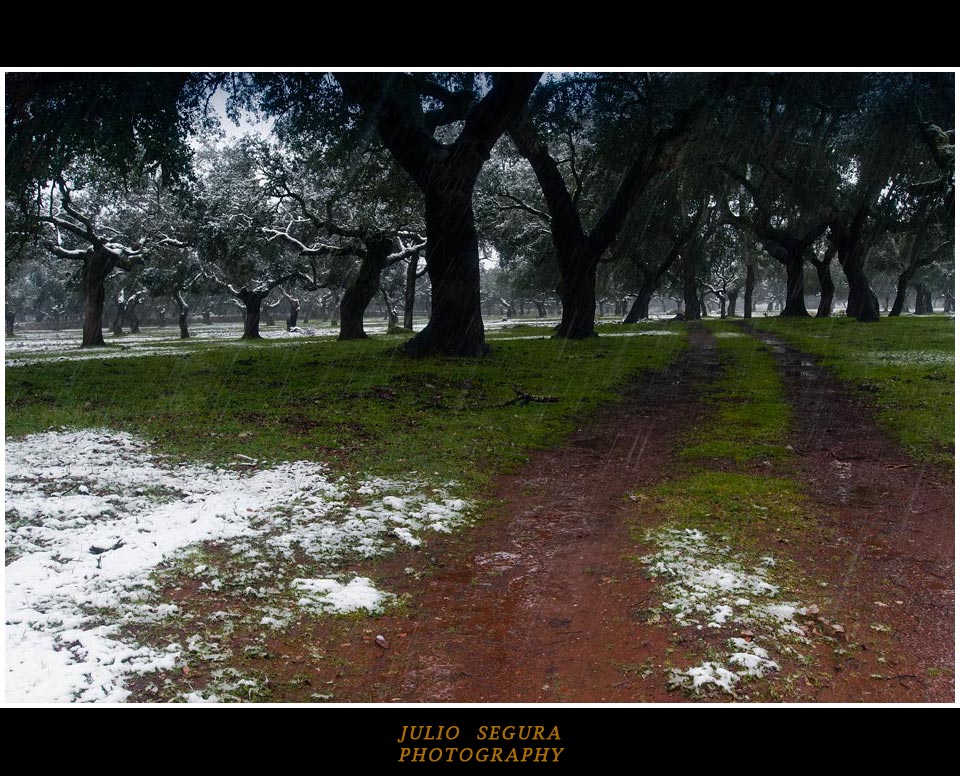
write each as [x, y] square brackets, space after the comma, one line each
[94, 550]
[524, 398]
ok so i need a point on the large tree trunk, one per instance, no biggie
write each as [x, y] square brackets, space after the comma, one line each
[410, 291]
[251, 317]
[363, 289]
[118, 317]
[131, 314]
[903, 283]
[335, 310]
[862, 303]
[691, 299]
[97, 264]
[924, 304]
[748, 285]
[577, 290]
[640, 309]
[722, 299]
[851, 243]
[732, 304]
[453, 264]
[10, 316]
[827, 289]
[796, 305]
[294, 313]
[182, 311]
[447, 175]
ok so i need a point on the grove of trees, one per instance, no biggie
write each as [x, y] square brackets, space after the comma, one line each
[464, 195]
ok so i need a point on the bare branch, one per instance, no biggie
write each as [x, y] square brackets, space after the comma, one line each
[405, 253]
[519, 204]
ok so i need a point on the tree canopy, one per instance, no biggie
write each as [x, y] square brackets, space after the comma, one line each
[582, 188]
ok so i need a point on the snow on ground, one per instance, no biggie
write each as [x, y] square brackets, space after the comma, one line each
[910, 357]
[90, 514]
[35, 347]
[42, 341]
[649, 332]
[707, 585]
[38, 346]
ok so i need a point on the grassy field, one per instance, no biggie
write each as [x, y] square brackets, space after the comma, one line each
[751, 419]
[903, 366]
[358, 406]
[727, 483]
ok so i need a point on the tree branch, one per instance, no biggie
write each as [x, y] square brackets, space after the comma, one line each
[519, 204]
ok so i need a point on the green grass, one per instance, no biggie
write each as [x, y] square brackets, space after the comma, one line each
[751, 418]
[902, 366]
[744, 507]
[359, 406]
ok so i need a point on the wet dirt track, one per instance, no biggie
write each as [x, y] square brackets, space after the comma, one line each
[544, 600]
[889, 555]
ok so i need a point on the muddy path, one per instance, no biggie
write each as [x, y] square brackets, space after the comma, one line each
[885, 545]
[544, 600]
[541, 603]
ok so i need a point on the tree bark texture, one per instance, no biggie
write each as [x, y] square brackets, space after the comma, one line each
[183, 310]
[924, 304]
[851, 243]
[748, 285]
[447, 175]
[252, 301]
[453, 265]
[410, 291]
[363, 289]
[97, 264]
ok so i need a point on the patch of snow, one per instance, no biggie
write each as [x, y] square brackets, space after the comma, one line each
[649, 332]
[910, 357]
[329, 595]
[197, 697]
[708, 585]
[707, 673]
[82, 561]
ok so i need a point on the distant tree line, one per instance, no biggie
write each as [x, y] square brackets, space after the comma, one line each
[463, 195]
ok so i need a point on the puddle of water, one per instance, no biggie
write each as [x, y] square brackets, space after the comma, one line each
[844, 471]
[497, 561]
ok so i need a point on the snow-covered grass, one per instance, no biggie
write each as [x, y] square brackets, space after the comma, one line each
[38, 347]
[654, 332]
[90, 514]
[708, 586]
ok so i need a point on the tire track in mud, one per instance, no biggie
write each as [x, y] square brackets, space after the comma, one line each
[884, 545]
[544, 601]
